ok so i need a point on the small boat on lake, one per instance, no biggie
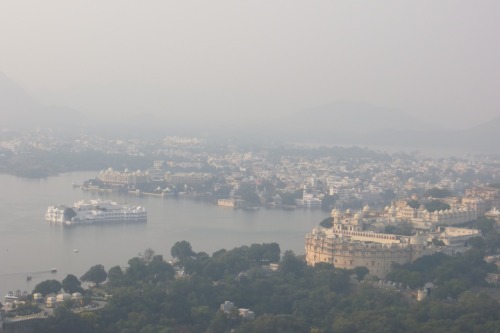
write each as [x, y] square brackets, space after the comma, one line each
[11, 297]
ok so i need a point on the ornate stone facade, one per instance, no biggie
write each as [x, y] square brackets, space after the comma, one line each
[420, 218]
[348, 244]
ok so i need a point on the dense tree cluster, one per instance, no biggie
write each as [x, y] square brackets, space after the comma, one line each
[453, 275]
[48, 287]
[413, 203]
[149, 297]
[23, 310]
[147, 269]
[42, 163]
[182, 250]
[247, 192]
[435, 205]
[327, 223]
[437, 193]
[328, 202]
[71, 284]
[96, 274]
[288, 198]
[403, 228]
[69, 213]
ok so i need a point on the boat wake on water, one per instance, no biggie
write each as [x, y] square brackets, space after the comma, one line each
[31, 274]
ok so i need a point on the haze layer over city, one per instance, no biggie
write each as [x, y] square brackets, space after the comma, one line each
[317, 72]
[223, 166]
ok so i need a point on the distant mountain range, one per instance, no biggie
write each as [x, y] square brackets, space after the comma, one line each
[339, 123]
[20, 110]
[355, 123]
[348, 122]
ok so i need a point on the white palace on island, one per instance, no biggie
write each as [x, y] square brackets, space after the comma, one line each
[353, 241]
[95, 211]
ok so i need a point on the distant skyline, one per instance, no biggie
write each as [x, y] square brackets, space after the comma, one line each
[434, 60]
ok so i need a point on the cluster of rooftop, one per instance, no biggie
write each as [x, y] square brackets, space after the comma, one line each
[353, 176]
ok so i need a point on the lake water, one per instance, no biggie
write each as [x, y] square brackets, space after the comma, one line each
[31, 246]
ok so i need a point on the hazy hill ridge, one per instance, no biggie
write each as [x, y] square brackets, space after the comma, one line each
[341, 122]
[20, 110]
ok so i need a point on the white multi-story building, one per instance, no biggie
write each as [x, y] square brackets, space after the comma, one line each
[112, 177]
[422, 219]
[308, 200]
[95, 211]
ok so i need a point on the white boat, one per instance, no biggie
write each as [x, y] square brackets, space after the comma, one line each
[95, 211]
[10, 297]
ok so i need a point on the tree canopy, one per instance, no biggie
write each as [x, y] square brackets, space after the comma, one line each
[71, 284]
[95, 274]
[437, 193]
[327, 223]
[402, 228]
[435, 205]
[413, 203]
[454, 274]
[182, 250]
[69, 213]
[295, 298]
[48, 287]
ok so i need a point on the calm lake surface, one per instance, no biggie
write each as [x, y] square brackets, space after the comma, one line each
[31, 246]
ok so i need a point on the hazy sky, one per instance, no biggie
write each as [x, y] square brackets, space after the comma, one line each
[434, 59]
